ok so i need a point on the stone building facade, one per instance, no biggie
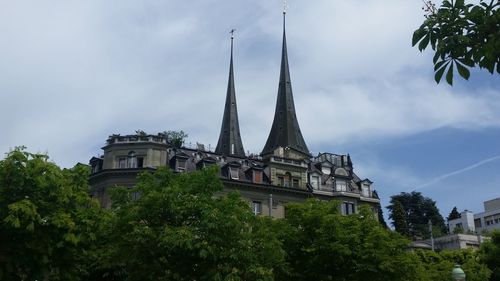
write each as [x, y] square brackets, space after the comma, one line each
[285, 171]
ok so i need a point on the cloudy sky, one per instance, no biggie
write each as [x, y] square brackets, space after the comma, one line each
[74, 72]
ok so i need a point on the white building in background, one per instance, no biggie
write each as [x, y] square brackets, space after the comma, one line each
[481, 222]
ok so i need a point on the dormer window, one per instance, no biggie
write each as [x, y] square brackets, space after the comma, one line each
[257, 176]
[181, 165]
[340, 185]
[326, 170]
[234, 173]
[365, 190]
[315, 182]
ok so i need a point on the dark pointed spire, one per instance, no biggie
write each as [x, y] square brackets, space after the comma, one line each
[229, 138]
[285, 131]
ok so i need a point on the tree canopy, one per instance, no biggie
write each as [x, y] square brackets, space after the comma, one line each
[454, 214]
[48, 223]
[418, 210]
[490, 255]
[322, 244]
[176, 226]
[171, 227]
[462, 36]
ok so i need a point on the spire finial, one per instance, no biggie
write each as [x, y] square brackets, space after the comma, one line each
[232, 37]
[285, 6]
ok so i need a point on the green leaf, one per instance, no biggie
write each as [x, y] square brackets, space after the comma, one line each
[467, 62]
[439, 73]
[449, 75]
[463, 71]
[423, 44]
[417, 35]
[436, 57]
[459, 3]
[439, 65]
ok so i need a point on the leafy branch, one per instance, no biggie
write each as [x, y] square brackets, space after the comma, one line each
[462, 36]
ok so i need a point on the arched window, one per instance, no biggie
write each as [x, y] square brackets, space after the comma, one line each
[131, 160]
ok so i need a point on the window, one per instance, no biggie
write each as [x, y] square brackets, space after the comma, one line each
[122, 162]
[348, 208]
[140, 162]
[287, 179]
[326, 170]
[315, 182]
[256, 207]
[340, 185]
[295, 182]
[234, 173]
[477, 223]
[365, 190]
[131, 160]
[181, 165]
[281, 181]
[257, 176]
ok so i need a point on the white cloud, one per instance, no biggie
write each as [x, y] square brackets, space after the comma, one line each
[72, 73]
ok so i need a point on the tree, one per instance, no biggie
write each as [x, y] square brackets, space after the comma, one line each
[322, 244]
[490, 255]
[454, 214]
[438, 266]
[172, 227]
[462, 36]
[398, 217]
[418, 211]
[175, 138]
[380, 215]
[48, 222]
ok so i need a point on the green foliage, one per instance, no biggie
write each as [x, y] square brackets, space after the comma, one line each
[462, 36]
[490, 255]
[380, 216]
[177, 230]
[398, 217]
[322, 244]
[173, 227]
[48, 223]
[418, 211]
[458, 230]
[175, 138]
[454, 214]
[438, 266]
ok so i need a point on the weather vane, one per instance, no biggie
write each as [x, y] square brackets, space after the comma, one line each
[285, 6]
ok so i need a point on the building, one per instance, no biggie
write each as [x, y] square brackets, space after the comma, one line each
[451, 242]
[285, 171]
[478, 223]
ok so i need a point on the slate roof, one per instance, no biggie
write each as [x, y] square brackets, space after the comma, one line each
[285, 131]
[230, 139]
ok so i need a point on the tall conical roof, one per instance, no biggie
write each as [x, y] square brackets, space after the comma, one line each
[230, 139]
[285, 131]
